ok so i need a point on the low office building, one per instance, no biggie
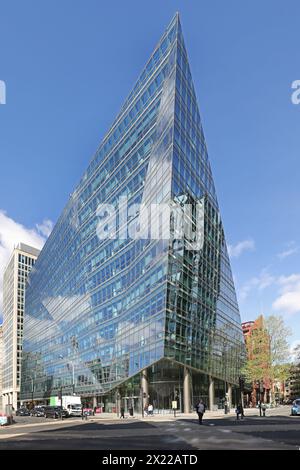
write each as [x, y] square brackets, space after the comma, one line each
[292, 385]
[14, 286]
[120, 315]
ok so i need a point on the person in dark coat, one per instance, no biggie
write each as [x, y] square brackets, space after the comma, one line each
[122, 412]
[240, 411]
[259, 407]
[200, 409]
[83, 413]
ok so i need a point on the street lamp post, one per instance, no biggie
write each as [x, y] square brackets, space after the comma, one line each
[73, 373]
[32, 385]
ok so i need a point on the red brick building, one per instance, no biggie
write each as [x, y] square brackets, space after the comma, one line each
[260, 390]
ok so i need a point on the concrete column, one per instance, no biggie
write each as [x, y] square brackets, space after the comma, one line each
[211, 393]
[186, 390]
[229, 391]
[94, 402]
[145, 386]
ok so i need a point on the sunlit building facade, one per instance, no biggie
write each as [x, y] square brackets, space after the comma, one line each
[138, 319]
[14, 286]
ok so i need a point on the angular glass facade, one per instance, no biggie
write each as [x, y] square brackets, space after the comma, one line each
[99, 311]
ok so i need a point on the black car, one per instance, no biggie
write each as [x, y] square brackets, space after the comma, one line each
[38, 411]
[55, 412]
[22, 412]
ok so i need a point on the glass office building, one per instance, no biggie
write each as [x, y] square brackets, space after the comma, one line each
[138, 319]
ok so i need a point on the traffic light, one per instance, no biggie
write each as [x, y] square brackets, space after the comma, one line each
[145, 395]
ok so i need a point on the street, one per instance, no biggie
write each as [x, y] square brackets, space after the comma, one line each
[277, 430]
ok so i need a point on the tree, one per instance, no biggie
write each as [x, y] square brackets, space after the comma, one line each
[268, 352]
[258, 354]
[279, 347]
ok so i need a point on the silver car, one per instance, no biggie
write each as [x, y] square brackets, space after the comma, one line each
[295, 407]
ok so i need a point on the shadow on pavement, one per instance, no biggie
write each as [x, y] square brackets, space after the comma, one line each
[248, 420]
[96, 426]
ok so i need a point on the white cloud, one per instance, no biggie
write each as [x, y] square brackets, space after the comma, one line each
[260, 282]
[291, 249]
[45, 228]
[236, 250]
[288, 301]
[12, 233]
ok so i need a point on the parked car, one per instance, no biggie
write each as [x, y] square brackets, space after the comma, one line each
[55, 412]
[22, 412]
[38, 411]
[296, 407]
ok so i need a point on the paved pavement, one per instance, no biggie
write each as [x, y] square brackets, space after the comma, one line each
[277, 430]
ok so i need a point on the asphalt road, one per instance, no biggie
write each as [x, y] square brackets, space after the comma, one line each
[276, 431]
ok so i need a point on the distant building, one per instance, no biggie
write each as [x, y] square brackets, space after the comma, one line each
[14, 281]
[292, 385]
[260, 390]
[1, 364]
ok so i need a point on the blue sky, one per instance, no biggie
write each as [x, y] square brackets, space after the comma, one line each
[68, 66]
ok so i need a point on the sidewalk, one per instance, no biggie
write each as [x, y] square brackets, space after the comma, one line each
[218, 414]
[163, 416]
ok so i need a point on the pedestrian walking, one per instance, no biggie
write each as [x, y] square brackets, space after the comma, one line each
[150, 409]
[83, 413]
[239, 411]
[122, 412]
[226, 406]
[259, 407]
[200, 409]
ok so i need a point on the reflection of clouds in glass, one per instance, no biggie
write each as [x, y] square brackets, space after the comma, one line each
[130, 333]
[74, 216]
[64, 312]
[66, 309]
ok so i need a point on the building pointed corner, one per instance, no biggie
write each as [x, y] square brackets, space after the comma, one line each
[177, 16]
[175, 23]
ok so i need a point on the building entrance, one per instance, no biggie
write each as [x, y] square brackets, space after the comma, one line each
[132, 404]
